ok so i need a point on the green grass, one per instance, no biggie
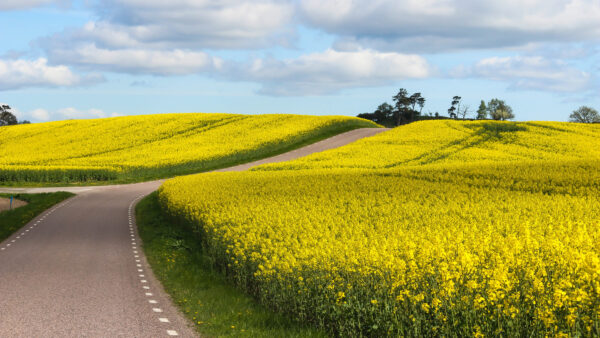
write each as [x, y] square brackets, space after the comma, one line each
[13, 220]
[215, 306]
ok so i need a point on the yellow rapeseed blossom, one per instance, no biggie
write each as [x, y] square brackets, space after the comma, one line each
[150, 146]
[457, 228]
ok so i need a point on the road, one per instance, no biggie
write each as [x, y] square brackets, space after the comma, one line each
[77, 270]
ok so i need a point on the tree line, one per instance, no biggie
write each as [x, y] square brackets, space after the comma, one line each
[7, 118]
[409, 108]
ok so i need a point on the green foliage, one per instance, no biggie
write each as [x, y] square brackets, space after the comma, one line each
[55, 175]
[499, 110]
[6, 117]
[216, 308]
[585, 114]
[482, 111]
[13, 220]
[403, 111]
[454, 107]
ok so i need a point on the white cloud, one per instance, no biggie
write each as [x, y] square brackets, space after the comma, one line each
[73, 113]
[183, 24]
[331, 71]
[170, 38]
[442, 25]
[16, 74]
[40, 114]
[135, 61]
[43, 115]
[530, 73]
[22, 4]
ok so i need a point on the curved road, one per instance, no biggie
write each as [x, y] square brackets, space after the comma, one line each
[77, 270]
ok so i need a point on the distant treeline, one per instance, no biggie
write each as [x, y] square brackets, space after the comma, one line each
[409, 108]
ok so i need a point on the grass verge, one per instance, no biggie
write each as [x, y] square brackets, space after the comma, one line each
[13, 220]
[216, 307]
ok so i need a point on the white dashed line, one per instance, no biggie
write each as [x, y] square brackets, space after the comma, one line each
[139, 268]
[32, 225]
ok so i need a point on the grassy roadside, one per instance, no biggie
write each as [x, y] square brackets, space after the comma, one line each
[192, 168]
[216, 307]
[12, 220]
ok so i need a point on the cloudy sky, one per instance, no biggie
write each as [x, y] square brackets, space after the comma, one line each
[62, 59]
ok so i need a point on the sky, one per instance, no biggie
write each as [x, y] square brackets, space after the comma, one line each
[62, 59]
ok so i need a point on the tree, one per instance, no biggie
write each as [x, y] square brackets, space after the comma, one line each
[454, 107]
[462, 113]
[402, 103]
[6, 117]
[416, 100]
[383, 114]
[585, 114]
[404, 109]
[482, 111]
[499, 110]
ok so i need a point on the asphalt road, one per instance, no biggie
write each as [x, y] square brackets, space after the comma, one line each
[77, 270]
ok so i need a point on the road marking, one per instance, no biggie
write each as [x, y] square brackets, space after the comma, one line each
[139, 269]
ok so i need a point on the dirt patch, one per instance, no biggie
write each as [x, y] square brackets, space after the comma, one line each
[5, 203]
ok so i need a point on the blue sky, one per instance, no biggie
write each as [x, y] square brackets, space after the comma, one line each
[84, 59]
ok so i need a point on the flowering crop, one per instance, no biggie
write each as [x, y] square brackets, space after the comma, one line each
[142, 147]
[474, 228]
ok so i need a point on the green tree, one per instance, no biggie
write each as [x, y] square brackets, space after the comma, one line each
[402, 104]
[416, 99]
[585, 114]
[454, 107]
[6, 117]
[482, 111]
[499, 110]
[383, 114]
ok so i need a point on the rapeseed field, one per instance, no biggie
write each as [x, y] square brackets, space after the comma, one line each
[136, 148]
[442, 228]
